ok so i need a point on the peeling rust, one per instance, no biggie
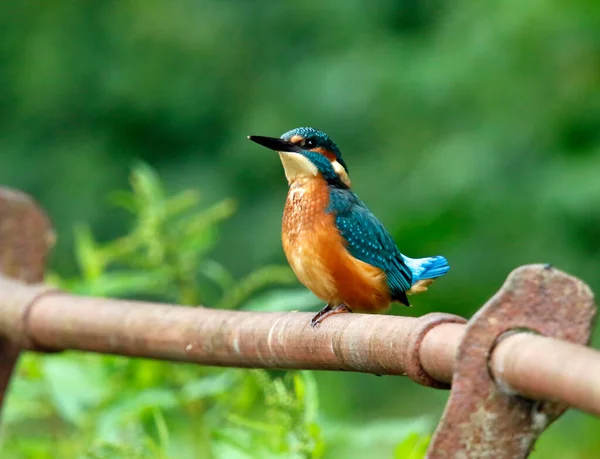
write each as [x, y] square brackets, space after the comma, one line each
[25, 237]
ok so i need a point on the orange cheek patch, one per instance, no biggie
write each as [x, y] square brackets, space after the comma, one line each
[328, 154]
[296, 138]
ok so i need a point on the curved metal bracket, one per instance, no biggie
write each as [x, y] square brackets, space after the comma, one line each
[482, 418]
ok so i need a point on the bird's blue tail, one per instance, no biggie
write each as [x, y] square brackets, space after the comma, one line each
[427, 268]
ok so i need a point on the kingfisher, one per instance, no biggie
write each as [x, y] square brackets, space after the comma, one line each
[334, 244]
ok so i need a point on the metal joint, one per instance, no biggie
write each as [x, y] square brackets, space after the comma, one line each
[414, 366]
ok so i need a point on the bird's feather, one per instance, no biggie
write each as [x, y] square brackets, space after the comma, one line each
[428, 267]
[368, 241]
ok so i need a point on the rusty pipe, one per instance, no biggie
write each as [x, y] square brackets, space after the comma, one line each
[371, 344]
[543, 368]
[533, 366]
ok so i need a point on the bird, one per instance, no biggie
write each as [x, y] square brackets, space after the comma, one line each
[334, 244]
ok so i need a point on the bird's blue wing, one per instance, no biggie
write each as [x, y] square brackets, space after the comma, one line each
[368, 241]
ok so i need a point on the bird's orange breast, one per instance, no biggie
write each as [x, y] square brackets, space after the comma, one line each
[316, 252]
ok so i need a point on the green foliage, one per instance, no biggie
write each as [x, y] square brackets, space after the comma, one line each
[95, 407]
[106, 406]
[413, 447]
[287, 424]
[166, 253]
[397, 438]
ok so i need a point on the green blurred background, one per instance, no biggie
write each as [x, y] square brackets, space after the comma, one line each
[471, 129]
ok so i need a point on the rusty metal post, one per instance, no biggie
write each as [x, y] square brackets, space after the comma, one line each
[25, 239]
[485, 418]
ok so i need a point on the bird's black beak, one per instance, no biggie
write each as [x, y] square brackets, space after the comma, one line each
[275, 144]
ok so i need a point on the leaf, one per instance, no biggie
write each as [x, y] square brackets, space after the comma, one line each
[75, 387]
[133, 406]
[198, 232]
[217, 273]
[367, 437]
[412, 447]
[208, 386]
[182, 202]
[88, 257]
[207, 218]
[161, 428]
[125, 283]
[306, 390]
[131, 442]
[147, 186]
[124, 199]
[28, 393]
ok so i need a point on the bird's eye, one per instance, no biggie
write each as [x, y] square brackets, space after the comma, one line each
[309, 143]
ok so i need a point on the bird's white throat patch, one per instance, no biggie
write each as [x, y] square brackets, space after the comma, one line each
[297, 165]
[341, 172]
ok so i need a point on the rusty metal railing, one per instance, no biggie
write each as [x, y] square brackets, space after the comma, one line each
[514, 367]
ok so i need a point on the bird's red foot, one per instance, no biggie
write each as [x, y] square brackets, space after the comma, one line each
[328, 311]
